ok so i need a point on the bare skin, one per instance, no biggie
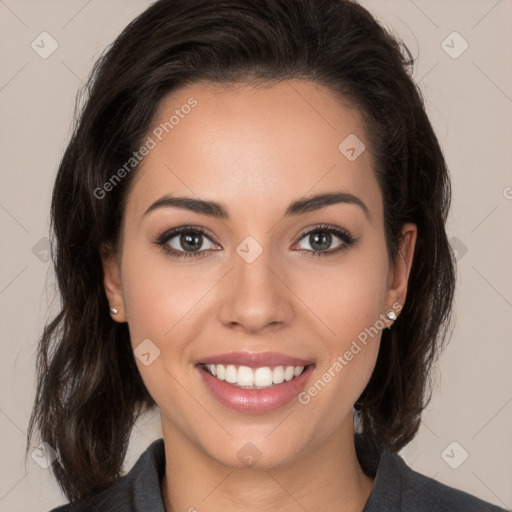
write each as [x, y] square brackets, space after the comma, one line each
[257, 150]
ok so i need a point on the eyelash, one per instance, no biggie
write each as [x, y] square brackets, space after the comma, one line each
[162, 241]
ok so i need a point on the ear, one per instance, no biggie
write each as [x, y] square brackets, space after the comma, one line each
[112, 283]
[401, 268]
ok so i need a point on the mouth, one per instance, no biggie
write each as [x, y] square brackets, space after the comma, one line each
[252, 382]
[245, 377]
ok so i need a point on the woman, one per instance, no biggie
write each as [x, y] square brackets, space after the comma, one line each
[250, 234]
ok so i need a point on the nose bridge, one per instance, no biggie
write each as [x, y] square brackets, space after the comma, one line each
[255, 297]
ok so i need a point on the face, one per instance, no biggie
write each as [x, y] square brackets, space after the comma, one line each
[265, 268]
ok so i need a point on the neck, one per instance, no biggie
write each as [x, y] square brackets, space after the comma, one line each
[327, 478]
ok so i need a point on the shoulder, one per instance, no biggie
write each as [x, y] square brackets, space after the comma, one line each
[402, 488]
[140, 486]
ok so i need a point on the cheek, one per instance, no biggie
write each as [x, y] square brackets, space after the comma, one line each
[164, 302]
[349, 300]
[349, 296]
[160, 305]
[158, 294]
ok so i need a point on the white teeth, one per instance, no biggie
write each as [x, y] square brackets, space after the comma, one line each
[246, 377]
[298, 370]
[289, 373]
[231, 374]
[221, 372]
[262, 377]
[278, 375]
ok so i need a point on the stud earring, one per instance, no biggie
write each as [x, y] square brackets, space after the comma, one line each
[391, 316]
[114, 311]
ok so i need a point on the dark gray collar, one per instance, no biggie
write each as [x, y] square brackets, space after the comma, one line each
[397, 487]
[149, 471]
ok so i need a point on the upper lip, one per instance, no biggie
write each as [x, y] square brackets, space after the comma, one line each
[255, 359]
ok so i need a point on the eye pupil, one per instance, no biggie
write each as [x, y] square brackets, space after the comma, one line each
[191, 242]
[321, 240]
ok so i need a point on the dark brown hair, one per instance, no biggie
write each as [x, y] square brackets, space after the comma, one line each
[89, 391]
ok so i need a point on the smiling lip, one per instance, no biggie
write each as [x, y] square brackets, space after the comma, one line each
[255, 359]
[255, 400]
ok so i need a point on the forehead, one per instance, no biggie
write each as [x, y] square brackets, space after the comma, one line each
[255, 147]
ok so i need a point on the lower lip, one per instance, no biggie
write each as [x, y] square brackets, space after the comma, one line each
[255, 400]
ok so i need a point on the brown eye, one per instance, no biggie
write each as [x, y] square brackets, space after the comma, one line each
[320, 241]
[186, 242]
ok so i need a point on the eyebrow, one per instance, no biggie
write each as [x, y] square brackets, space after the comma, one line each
[218, 210]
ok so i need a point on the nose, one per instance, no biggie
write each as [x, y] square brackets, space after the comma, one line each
[255, 295]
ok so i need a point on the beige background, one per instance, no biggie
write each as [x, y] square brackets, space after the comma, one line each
[469, 100]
